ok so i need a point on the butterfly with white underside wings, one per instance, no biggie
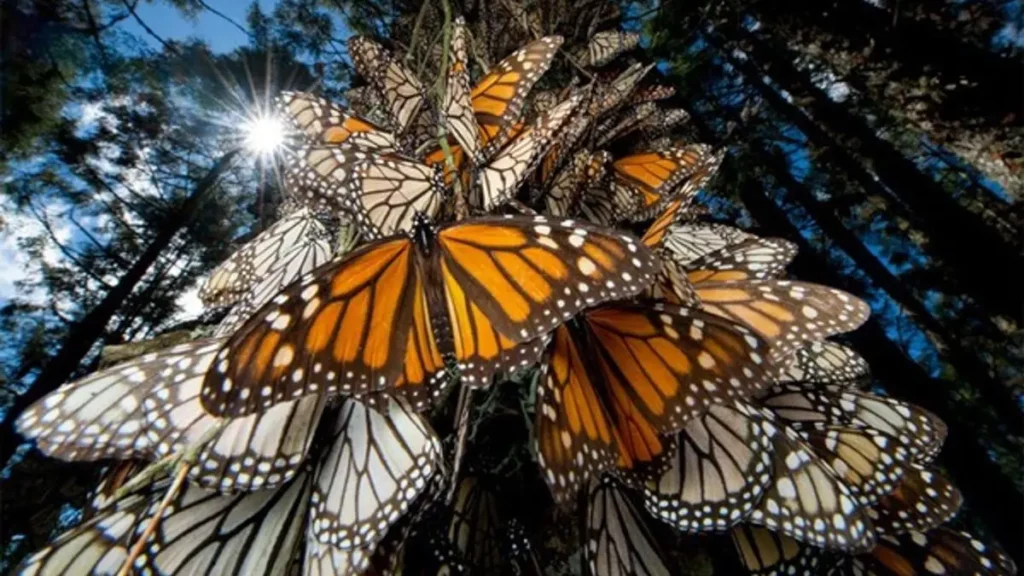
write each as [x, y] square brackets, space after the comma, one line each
[149, 408]
[618, 543]
[202, 532]
[290, 242]
[386, 193]
[308, 247]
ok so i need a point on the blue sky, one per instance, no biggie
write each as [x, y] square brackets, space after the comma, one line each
[169, 23]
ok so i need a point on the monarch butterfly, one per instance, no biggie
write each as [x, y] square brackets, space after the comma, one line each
[611, 95]
[386, 193]
[651, 93]
[397, 86]
[496, 103]
[664, 120]
[825, 362]
[304, 244]
[653, 176]
[261, 256]
[923, 500]
[498, 98]
[937, 551]
[561, 150]
[603, 47]
[324, 123]
[618, 542]
[460, 119]
[148, 408]
[373, 320]
[622, 374]
[806, 501]
[808, 405]
[630, 121]
[202, 533]
[687, 242]
[499, 179]
[716, 472]
[606, 204]
[767, 553]
[378, 461]
[560, 198]
[383, 193]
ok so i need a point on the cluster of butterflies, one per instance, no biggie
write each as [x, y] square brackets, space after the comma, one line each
[678, 371]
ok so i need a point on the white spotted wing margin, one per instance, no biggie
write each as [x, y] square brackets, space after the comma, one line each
[618, 541]
[202, 533]
[149, 407]
[379, 459]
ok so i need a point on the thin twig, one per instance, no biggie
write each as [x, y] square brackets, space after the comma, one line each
[154, 522]
[461, 206]
[462, 427]
[416, 32]
[167, 45]
[216, 12]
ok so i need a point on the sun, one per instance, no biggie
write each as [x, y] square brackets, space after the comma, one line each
[264, 135]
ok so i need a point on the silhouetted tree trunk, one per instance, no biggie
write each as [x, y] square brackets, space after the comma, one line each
[92, 327]
[956, 235]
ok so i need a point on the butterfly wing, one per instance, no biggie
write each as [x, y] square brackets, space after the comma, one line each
[618, 542]
[499, 180]
[786, 314]
[826, 362]
[603, 47]
[202, 533]
[925, 499]
[805, 500]
[718, 471]
[575, 436]
[755, 259]
[766, 553]
[809, 405]
[526, 275]
[379, 460]
[670, 363]
[939, 551]
[309, 247]
[460, 119]
[498, 98]
[323, 122]
[343, 328]
[402, 93]
[653, 175]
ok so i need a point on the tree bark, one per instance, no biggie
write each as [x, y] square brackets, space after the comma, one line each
[91, 328]
[957, 235]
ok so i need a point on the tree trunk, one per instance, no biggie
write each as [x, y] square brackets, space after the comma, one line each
[957, 236]
[91, 328]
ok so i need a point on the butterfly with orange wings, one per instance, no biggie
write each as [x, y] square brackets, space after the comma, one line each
[398, 312]
[621, 375]
[483, 120]
[656, 178]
